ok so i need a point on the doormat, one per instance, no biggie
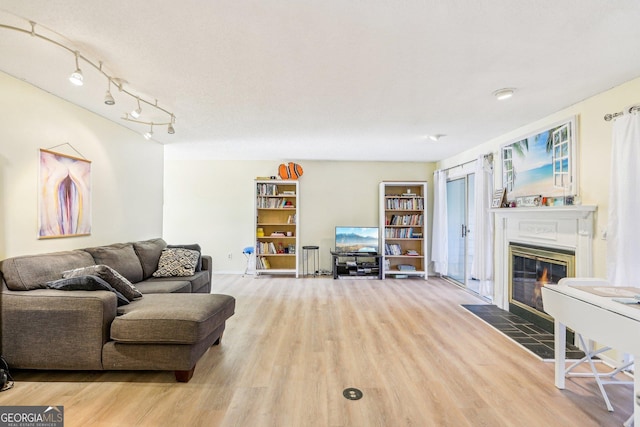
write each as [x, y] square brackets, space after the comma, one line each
[531, 337]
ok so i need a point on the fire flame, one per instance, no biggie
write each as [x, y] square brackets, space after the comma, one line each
[537, 292]
[544, 278]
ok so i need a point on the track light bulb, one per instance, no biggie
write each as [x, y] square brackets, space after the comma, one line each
[149, 134]
[136, 113]
[108, 98]
[76, 77]
[170, 129]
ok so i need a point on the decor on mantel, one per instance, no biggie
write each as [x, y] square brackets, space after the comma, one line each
[64, 195]
[77, 79]
[498, 200]
[542, 164]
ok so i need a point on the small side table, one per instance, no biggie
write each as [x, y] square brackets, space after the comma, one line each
[310, 251]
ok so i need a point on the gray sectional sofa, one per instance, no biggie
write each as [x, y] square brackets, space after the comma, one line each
[169, 327]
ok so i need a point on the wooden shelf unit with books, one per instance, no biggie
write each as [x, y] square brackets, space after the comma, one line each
[403, 228]
[277, 214]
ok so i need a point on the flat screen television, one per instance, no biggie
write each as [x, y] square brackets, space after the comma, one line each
[357, 239]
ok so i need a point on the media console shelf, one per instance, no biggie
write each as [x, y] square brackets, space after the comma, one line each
[356, 265]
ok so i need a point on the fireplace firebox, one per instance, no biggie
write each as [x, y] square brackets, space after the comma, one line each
[531, 267]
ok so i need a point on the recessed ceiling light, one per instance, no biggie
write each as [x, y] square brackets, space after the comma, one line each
[436, 137]
[505, 93]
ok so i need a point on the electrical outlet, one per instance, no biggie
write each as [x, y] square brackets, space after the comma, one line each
[229, 256]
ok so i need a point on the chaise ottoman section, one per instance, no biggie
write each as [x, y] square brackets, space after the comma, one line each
[171, 318]
[167, 332]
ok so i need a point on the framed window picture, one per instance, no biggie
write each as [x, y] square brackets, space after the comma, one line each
[542, 163]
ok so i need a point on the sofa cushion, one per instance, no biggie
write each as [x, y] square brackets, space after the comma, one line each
[199, 282]
[33, 271]
[171, 318]
[149, 252]
[109, 275]
[164, 286]
[193, 247]
[86, 283]
[177, 262]
[121, 257]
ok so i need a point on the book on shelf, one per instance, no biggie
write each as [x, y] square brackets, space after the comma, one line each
[274, 203]
[267, 189]
[266, 248]
[392, 249]
[415, 219]
[415, 203]
[399, 233]
[265, 263]
[412, 252]
[262, 263]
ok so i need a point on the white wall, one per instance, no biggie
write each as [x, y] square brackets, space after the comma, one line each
[126, 171]
[212, 201]
[594, 152]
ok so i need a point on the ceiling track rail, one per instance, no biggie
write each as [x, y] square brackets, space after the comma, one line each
[117, 82]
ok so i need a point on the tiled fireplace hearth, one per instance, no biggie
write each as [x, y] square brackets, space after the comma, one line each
[558, 239]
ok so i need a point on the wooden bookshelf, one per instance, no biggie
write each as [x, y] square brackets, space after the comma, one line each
[276, 228]
[403, 228]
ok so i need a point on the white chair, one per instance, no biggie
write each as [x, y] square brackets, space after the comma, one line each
[590, 352]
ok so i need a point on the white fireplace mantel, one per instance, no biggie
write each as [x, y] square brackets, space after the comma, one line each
[559, 227]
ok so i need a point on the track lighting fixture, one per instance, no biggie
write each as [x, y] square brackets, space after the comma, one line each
[76, 77]
[136, 113]
[108, 98]
[149, 134]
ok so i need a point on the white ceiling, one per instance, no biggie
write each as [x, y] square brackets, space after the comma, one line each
[331, 79]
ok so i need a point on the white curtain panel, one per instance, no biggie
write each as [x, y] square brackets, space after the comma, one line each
[482, 264]
[439, 242]
[623, 231]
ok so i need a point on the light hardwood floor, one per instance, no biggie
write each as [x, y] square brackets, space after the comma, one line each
[294, 345]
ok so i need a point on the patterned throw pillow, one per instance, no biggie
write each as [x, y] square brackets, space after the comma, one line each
[86, 283]
[109, 275]
[177, 262]
[193, 247]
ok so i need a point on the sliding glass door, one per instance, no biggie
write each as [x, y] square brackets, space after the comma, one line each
[460, 218]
